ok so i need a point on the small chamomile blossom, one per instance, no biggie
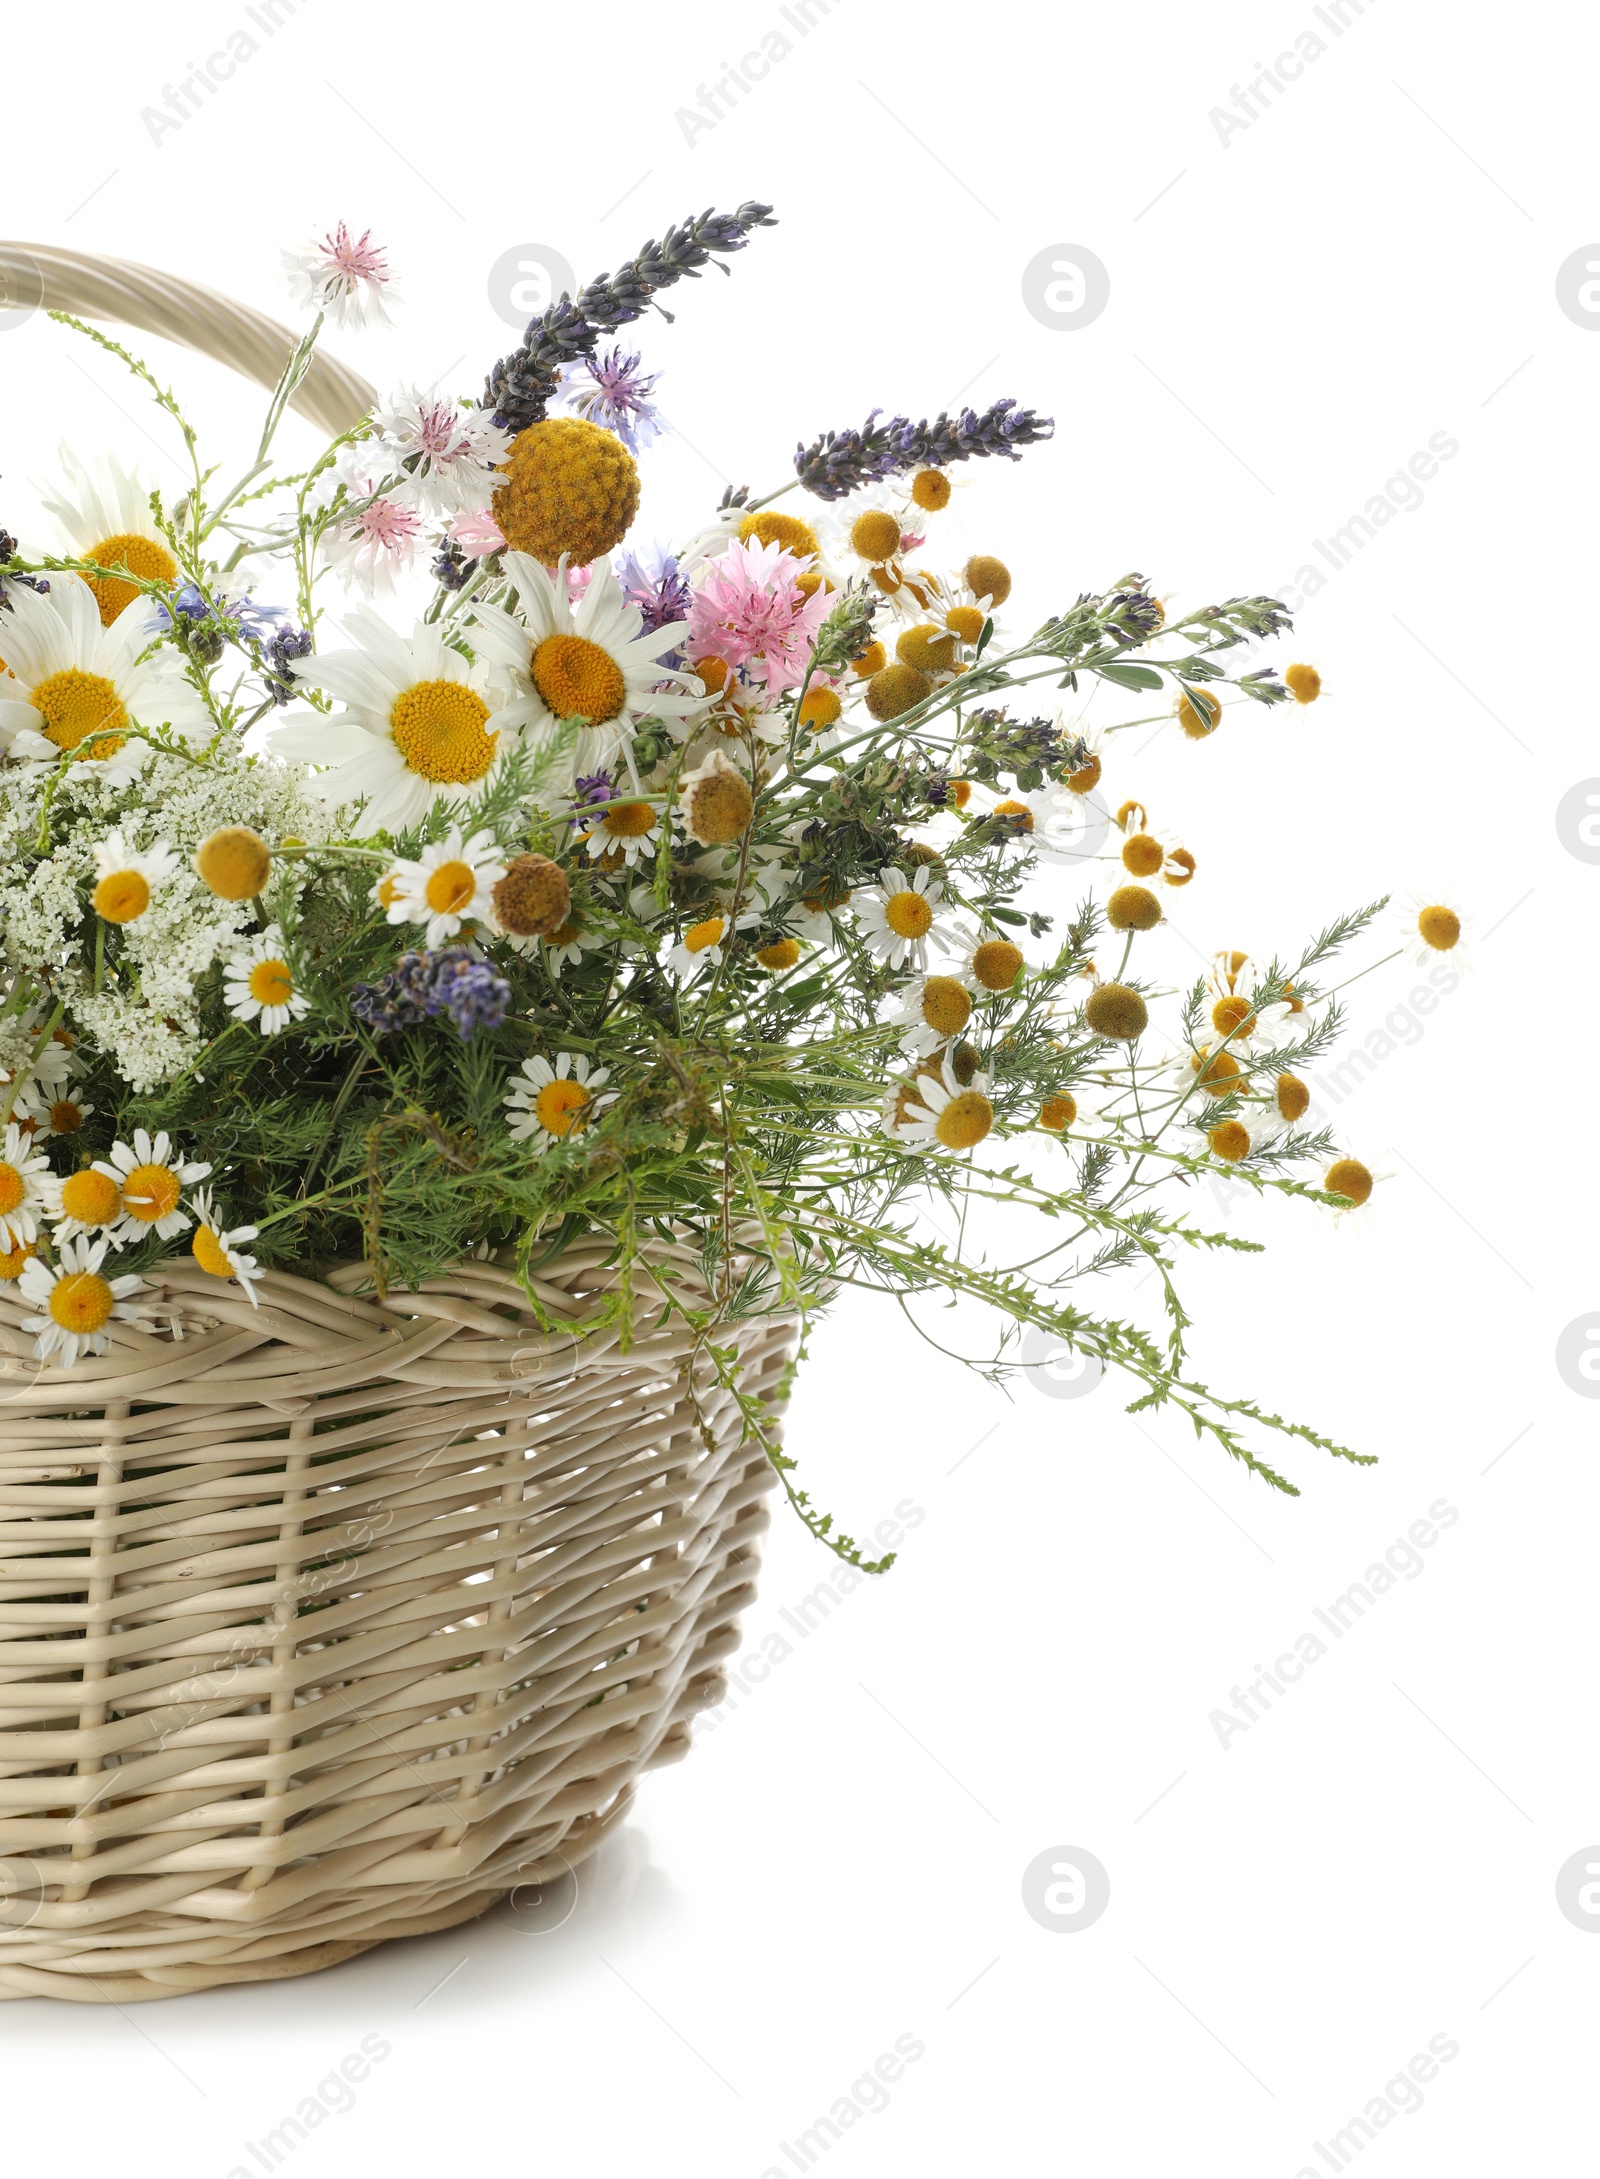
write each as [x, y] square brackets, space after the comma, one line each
[1245, 1129]
[126, 877]
[260, 984]
[566, 947]
[76, 1302]
[946, 1113]
[702, 944]
[934, 1010]
[1353, 1182]
[450, 883]
[217, 1251]
[152, 1177]
[898, 916]
[547, 1103]
[23, 1188]
[1433, 928]
[85, 1202]
[620, 832]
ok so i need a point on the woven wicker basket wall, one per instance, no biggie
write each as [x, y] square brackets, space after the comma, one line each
[335, 1619]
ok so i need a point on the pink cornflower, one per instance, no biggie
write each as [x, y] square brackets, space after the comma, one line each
[343, 276]
[749, 610]
[378, 541]
[477, 533]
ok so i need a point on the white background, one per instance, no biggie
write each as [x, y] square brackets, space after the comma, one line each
[1293, 314]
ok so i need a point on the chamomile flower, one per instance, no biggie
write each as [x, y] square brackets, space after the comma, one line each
[1353, 1183]
[23, 1190]
[217, 1251]
[1235, 1017]
[1244, 1129]
[1433, 929]
[702, 944]
[898, 916]
[935, 1009]
[76, 1302]
[69, 678]
[65, 1114]
[591, 661]
[620, 831]
[260, 985]
[986, 959]
[152, 1177]
[947, 1113]
[417, 727]
[566, 947]
[85, 1202]
[104, 516]
[450, 883]
[547, 1103]
[126, 877]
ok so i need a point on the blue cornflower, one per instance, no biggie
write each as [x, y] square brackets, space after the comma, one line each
[613, 389]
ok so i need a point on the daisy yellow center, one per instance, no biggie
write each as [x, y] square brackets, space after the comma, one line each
[965, 621]
[66, 1116]
[577, 679]
[1218, 1071]
[964, 1121]
[74, 704]
[271, 984]
[997, 964]
[151, 1192]
[628, 820]
[946, 1007]
[234, 862]
[908, 914]
[1294, 1098]
[1232, 1016]
[13, 1259]
[1349, 1177]
[780, 955]
[1143, 855]
[705, 934]
[1230, 1141]
[1439, 928]
[140, 556]
[122, 896]
[209, 1253]
[450, 887]
[559, 1105]
[94, 1199]
[1018, 816]
[12, 1188]
[438, 727]
[81, 1301]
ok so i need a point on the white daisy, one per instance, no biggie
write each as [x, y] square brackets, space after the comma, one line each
[589, 662]
[449, 454]
[449, 884]
[69, 677]
[947, 1113]
[85, 1202]
[567, 946]
[547, 1103]
[22, 1188]
[1353, 1183]
[620, 831]
[1432, 927]
[76, 1301]
[702, 944]
[344, 276]
[104, 515]
[417, 727]
[1244, 1130]
[152, 1179]
[218, 1252]
[898, 916]
[126, 877]
[260, 984]
[932, 1011]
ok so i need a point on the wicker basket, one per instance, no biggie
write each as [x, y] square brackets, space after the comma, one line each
[335, 1619]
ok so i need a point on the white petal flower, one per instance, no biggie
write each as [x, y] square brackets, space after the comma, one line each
[69, 679]
[701, 946]
[547, 1103]
[447, 885]
[23, 1191]
[449, 454]
[218, 1252]
[260, 984]
[897, 917]
[946, 1113]
[344, 276]
[126, 877]
[76, 1302]
[152, 1178]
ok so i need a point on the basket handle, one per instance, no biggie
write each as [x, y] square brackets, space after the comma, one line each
[35, 275]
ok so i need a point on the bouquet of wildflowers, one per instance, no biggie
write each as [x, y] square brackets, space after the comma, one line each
[692, 891]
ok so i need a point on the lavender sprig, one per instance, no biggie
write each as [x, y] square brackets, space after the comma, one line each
[422, 986]
[521, 384]
[838, 463]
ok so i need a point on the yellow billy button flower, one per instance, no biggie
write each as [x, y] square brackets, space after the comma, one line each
[545, 1103]
[126, 877]
[233, 862]
[76, 1302]
[572, 489]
